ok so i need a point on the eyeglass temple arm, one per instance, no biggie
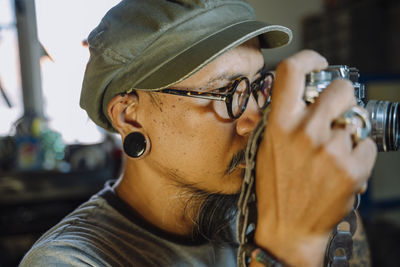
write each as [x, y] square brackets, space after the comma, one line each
[194, 94]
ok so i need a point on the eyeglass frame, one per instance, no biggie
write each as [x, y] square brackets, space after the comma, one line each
[228, 96]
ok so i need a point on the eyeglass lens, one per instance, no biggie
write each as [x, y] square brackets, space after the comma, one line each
[262, 90]
[263, 94]
[240, 97]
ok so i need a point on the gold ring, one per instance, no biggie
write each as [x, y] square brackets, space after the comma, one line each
[351, 117]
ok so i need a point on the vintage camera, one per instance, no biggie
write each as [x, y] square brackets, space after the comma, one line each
[384, 115]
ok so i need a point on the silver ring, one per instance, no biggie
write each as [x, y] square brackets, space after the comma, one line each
[351, 117]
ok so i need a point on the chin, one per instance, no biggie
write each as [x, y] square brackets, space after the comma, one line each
[232, 183]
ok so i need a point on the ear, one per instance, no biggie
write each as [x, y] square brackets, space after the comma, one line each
[122, 111]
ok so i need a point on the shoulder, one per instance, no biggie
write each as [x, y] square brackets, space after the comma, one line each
[94, 234]
[58, 254]
[68, 243]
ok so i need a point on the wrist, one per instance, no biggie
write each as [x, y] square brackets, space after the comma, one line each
[293, 250]
[260, 256]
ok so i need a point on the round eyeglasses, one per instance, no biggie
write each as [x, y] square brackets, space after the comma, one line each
[237, 94]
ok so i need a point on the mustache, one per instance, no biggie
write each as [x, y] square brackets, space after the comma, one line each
[237, 159]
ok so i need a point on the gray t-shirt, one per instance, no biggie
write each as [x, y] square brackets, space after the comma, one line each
[105, 231]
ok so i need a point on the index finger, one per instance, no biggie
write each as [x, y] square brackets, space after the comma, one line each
[288, 91]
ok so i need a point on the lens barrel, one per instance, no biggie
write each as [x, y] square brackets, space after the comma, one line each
[385, 124]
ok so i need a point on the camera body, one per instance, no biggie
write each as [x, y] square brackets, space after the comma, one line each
[384, 115]
[317, 81]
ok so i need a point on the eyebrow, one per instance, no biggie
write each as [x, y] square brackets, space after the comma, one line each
[223, 77]
[229, 77]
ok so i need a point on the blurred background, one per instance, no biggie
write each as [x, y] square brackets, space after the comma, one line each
[52, 157]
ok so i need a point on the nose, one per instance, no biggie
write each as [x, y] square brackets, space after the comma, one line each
[249, 119]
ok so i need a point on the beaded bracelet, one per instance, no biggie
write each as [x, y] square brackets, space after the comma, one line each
[261, 256]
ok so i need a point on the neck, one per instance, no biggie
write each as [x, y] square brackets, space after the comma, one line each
[176, 207]
[156, 199]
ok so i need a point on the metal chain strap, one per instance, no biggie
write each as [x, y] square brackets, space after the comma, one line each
[247, 204]
[340, 246]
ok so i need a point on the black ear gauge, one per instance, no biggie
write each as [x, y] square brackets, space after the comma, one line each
[135, 144]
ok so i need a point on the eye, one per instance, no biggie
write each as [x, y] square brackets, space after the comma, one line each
[266, 85]
[263, 94]
[256, 84]
[240, 97]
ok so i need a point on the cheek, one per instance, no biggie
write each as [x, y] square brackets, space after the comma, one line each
[217, 110]
[193, 135]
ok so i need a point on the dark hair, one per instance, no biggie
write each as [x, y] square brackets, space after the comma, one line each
[213, 215]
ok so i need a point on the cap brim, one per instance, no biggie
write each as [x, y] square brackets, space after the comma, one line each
[203, 52]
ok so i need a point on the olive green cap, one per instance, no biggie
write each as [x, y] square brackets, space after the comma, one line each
[153, 44]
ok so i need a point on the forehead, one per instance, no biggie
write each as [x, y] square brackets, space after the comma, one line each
[244, 60]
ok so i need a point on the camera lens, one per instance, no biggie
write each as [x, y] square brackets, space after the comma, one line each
[385, 124]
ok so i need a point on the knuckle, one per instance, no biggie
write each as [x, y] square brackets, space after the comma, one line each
[345, 85]
[345, 90]
[350, 169]
[328, 104]
[299, 62]
[368, 151]
[318, 59]
[311, 53]
[368, 148]
[289, 65]
[307, 135]
[351, 178]
[315, 132]
[345, 168]
[372, 146]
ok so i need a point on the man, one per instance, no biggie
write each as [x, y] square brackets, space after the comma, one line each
[184, 84]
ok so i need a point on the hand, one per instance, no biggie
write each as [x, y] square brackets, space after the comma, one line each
[307, 172]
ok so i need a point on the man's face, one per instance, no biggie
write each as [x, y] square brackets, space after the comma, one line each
[193, 141]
